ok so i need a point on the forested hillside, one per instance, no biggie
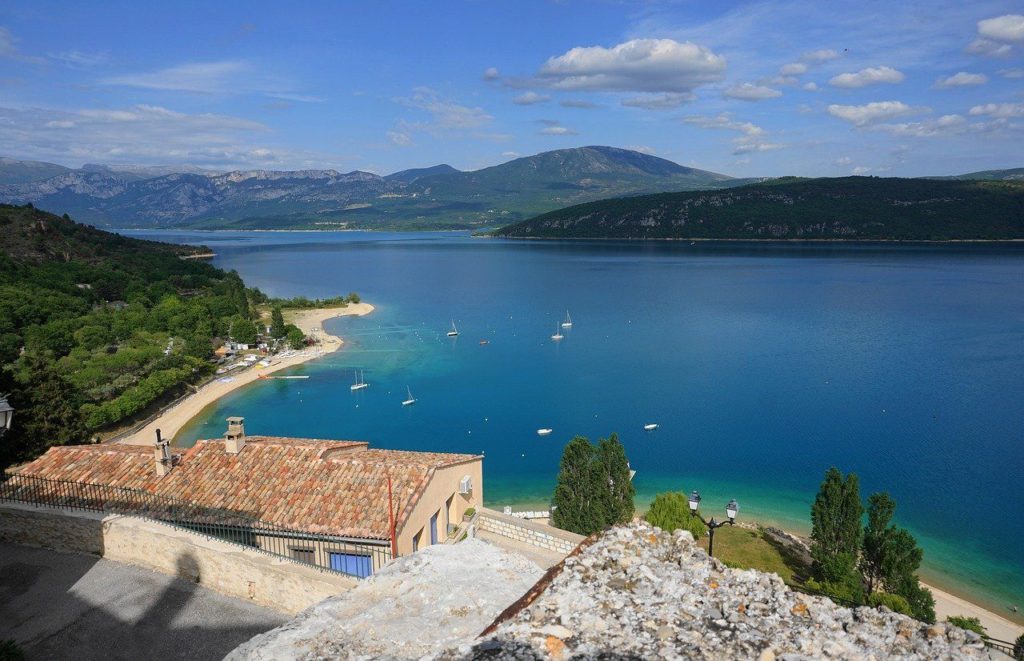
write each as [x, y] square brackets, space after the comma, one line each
[95, 327]
[849, 208]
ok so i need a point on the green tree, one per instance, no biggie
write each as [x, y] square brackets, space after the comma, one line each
[617, 496]
[671, 511]
[277, 329]
[835, 528]
[352, 297]
[296, 338]
[920, 598]
[1018, 647]
[577, 501]
[876, 535]
[243, 331]
[46, 411]
[968, 623]
[893, 602]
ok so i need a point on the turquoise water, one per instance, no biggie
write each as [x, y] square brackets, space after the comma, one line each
[763, 365]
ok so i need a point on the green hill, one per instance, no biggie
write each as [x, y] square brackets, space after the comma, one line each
[96, 327]
[849, 208]
[1013, 174]
[13, 171]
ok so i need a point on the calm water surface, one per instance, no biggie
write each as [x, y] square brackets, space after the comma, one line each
[763, 366]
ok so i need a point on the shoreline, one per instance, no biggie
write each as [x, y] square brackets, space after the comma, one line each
[171, 421]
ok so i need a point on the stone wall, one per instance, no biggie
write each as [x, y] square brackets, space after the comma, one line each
[232, 570]
[535, 534]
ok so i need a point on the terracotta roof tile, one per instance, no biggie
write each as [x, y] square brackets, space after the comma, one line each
[331, 487]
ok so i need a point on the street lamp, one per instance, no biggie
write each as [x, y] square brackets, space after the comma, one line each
[731, 509]
[6, 414]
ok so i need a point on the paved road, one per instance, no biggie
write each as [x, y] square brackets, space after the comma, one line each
[71, 606]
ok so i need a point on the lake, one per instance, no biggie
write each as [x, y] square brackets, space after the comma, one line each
[763, 365]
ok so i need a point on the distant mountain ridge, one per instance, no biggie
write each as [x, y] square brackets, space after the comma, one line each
[790, 208]
[438, 196]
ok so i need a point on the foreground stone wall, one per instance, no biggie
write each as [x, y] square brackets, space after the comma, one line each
[232, 570]
[535, 534]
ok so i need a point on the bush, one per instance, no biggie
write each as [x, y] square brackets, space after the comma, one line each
[469, 513]
[671, 511]
[968, 623]
[893, 602]
[1018, 647]
[10, 651]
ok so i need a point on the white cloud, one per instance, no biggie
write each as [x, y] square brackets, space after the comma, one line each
[557, 130]
[872, 112]
[945, 125]
[811, 87]
[78, 59]
[999, 110]
[399, 138]
[204, 77]
[1009, 27]
[819, 56]
[868, 76]
[723, 121]
[961, 79]
[577, 103]
[144, 134]
[643, 149]
[511, 154]
[9, 48]
[638, 65]
[989, 47]
[1012, 73]
[666, 101]
[491, 73]
[750, 92]
[843, 160]
[793, 69]
[445, 115]
[747, 145]
[530, 98]
[861, 170]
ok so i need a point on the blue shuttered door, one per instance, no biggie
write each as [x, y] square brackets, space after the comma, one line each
[352, 563]
[433, 528]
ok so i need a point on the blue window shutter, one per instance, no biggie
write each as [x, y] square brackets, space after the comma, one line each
[354, 564]
[433, 528]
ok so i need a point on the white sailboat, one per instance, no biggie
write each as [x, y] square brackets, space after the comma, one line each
[359, 384]
[651, 427]
[454, 331]
[568, 320]
[544, 432]
[411, 400]
[558, 334]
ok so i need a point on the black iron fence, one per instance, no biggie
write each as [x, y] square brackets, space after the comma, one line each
[350, 556]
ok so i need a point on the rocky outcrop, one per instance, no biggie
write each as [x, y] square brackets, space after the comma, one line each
[440, 597]
[638, 592]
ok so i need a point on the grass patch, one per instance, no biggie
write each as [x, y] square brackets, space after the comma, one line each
[750, 549]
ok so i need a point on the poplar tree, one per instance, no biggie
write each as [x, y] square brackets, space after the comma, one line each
[836, 528]
[617, 487]
[876, 534]
[277, 329]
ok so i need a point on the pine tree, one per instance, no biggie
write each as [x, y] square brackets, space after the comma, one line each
[614, 468]
[877, 532]
[835, 528]
[277, 329]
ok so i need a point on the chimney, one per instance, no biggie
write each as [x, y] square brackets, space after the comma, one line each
[162, 455]
[234, 437]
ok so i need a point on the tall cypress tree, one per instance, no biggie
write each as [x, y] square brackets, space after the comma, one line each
[835, 527]
[577, 503]
[614, 468]
[277, 329]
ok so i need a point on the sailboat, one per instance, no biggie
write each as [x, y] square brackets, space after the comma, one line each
[558, 334]
[651, 426]
[411, 400]
[454, 331]
[359, 384]
[568, 320]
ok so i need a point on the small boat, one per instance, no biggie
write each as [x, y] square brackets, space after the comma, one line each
[454, 331]
[651, 427]
[483, 342]
[568, 320]
[411, 400]
[359, 384]
[544, 432]
[558, 334]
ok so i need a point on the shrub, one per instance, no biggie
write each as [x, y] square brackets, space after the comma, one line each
[671, 511]
[1018, 647]
[469, 513]
[10, 651]
[968, 623]
[893, 602]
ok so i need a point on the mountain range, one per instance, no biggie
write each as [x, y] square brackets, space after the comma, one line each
[424, 198]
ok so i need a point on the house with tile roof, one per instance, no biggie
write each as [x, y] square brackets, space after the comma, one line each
[337, 492]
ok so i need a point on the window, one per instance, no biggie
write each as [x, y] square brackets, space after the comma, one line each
[354, 564]
[303, 555]
[433, 527]
[416, 541]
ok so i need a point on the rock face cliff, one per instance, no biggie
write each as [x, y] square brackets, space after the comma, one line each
[635, 592]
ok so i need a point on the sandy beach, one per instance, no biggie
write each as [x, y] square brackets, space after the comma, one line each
[173, 419]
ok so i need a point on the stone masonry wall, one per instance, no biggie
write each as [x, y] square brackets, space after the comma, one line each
[535, 534]
[226, 568]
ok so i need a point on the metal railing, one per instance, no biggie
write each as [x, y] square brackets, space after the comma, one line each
[328, 553]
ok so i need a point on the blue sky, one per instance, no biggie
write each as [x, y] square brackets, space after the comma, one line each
[743, 88]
